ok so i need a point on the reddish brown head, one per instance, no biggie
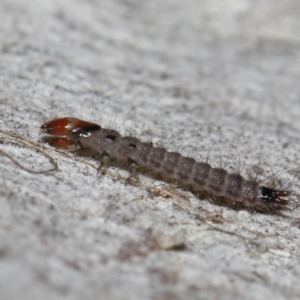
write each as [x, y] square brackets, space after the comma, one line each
[69, 127]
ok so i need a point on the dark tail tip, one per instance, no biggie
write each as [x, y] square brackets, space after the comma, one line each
[270, 196]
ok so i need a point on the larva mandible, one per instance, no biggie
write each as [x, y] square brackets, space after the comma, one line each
[200, 176]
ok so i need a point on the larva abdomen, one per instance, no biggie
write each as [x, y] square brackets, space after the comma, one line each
[199, 175]
[185, 170]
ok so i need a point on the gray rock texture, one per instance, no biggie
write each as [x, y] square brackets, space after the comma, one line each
[201, 77]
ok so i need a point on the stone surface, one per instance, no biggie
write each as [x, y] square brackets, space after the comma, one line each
[217, 77]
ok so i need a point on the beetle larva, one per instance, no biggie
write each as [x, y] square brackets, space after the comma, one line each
[172, 165]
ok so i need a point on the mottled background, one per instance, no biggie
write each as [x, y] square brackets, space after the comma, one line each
[201, 77]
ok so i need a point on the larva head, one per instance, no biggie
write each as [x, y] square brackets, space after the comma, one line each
[274, 198]
[69, 127]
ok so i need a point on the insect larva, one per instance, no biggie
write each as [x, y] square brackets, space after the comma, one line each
[172, 165]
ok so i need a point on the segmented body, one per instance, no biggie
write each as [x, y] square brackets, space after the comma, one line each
[185, 170]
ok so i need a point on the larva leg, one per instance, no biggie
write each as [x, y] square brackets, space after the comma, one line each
[104, 163]
[133, 178]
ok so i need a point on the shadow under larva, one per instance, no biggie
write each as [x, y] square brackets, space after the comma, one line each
[201, 177]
